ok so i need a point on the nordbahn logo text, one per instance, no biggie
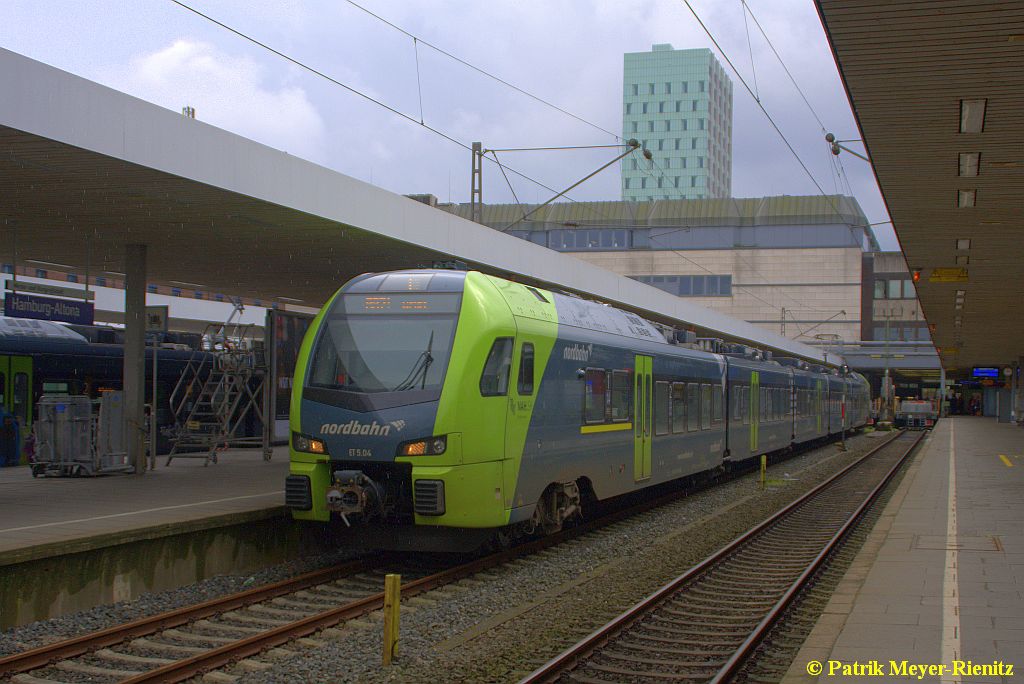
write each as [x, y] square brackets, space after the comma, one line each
[577, 352]
[354, 427]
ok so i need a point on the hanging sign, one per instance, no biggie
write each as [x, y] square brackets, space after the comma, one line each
[48, 309]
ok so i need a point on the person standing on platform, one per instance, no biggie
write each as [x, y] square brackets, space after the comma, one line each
[10, 438]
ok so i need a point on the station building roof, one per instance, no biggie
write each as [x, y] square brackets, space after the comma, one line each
[753, 211]
[86, 170]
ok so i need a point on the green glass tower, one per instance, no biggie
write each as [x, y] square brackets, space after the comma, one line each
[678, 104]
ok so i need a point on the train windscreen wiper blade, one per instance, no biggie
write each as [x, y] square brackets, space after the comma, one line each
[419, 368]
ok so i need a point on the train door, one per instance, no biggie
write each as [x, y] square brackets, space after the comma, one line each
[754, 406]
[16, 388]
[643, 392]
[818, 403]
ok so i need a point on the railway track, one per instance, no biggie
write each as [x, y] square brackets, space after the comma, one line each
[265, 621]
[704, 625]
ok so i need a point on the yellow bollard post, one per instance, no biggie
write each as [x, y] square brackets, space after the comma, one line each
[392, 602]
[764, 470]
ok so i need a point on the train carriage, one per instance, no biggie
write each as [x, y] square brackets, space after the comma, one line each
[446, 399]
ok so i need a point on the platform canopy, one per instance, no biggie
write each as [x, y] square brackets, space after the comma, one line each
[86, 170]
[938, 92]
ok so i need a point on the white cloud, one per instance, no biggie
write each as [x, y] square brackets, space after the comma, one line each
[232, 92]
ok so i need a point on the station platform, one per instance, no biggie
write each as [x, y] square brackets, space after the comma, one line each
[45, 516]
[941, 577]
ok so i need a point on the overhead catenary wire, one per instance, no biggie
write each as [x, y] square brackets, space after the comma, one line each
[760, 105]
[355, 91]
[484, 72]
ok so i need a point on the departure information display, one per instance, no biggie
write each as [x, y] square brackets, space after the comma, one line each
[401, 303]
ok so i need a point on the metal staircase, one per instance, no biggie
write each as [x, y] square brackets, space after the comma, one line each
[222, 386]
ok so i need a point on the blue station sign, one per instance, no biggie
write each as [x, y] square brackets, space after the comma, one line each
[48, 309]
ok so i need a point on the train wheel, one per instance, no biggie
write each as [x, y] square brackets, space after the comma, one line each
[559, 502]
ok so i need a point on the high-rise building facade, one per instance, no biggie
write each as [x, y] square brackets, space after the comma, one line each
[678, 104]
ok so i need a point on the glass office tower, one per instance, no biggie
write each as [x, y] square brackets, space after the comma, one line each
[678, 104]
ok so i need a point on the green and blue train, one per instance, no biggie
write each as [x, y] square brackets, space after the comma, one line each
[453, 404]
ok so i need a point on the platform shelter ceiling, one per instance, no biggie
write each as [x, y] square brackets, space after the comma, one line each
[86, 170]
[907, 65]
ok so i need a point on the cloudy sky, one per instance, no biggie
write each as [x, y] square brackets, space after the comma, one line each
[566, 52]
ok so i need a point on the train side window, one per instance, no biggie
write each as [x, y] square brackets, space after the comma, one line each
[705, 407]
[594, 395]
[21, 400]
[526, 369]
[661, 394]
[494, 379]
[621, 395]
[716, 404]
[692, 407]
[678, 407]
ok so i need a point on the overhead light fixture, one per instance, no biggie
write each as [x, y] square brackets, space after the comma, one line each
[972, 116]
[966, 198]
[289, 299]
[116, 273]
[963, 244]
[49, 263]
[969, 163]
[962, 259]
[182, 282]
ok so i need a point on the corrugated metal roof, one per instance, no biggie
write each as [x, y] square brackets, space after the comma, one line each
[782, 210]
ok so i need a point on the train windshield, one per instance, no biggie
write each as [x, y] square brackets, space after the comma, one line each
[385, 342]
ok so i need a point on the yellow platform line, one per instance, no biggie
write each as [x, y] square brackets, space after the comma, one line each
[1007, 462]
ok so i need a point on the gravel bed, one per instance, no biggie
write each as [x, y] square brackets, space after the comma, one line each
[499, 626]
[44, 632]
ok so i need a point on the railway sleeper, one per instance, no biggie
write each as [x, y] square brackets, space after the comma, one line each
[645, 674]
[94, 670]
[689, 664]
[164, 647]
[130, 659]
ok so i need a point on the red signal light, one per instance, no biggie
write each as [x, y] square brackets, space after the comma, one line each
[916, 276]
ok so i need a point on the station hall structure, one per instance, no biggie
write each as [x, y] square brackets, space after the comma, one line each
[90, 173]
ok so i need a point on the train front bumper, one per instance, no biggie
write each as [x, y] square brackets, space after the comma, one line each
[467, 495]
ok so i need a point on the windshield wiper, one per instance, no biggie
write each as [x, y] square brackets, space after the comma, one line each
[418, 373]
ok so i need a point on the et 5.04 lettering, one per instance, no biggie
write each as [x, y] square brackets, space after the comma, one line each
[360, 453]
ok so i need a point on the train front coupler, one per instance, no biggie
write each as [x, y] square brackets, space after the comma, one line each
[354, 493]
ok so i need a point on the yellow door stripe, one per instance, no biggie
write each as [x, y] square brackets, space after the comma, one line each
[1006, 461]
[610, 427]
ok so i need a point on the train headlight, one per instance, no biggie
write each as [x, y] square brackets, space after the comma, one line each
[430, 446]
[308, 444]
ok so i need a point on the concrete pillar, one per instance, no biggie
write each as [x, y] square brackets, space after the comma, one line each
[942, 392]
[135, 355]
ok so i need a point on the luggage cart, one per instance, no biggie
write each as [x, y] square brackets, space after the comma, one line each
[73, 441]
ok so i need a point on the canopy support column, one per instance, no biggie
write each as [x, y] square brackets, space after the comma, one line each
[135, 355]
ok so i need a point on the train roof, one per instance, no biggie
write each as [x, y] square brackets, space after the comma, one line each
[14, 329]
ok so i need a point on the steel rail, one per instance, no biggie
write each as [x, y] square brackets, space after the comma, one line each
[62, 650]
[746, 649]
[221, 656]
[571, 657]
[224, 655]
